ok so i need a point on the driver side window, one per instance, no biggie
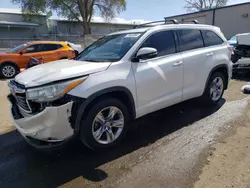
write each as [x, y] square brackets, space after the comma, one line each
[163, 42]
[33, 48]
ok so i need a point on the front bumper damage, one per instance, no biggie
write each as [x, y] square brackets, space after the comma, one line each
[49, 128]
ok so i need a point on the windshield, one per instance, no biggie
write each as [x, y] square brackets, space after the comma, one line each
[17, 48]
[233, 38]
[110, 48]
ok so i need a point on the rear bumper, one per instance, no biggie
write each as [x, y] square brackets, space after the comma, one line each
[49, 128]
[237, 68]
[242, 64]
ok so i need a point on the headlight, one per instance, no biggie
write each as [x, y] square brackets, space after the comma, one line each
[52, 92]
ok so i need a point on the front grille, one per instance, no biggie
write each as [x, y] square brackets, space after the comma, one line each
[18, 90]
[22, 103]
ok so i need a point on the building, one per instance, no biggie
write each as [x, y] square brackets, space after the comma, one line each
[15, 24]
[231, 19]
[17, 28]
[65, 27]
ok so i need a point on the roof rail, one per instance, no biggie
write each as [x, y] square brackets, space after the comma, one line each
[165, 21]
[193, 21]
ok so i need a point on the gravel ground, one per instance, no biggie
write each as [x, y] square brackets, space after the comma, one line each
[171, 164]
[229, 163]
[160, 151]
[5, 120]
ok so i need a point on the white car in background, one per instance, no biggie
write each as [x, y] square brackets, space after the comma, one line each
[76, 47]
[233, 41]
[241, 57]
[121, 77]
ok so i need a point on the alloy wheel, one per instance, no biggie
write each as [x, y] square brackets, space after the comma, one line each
[8, 71]
[216, 88]
[108, 125]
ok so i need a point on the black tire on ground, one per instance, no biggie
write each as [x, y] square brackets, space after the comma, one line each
[8, 70]
[207, 97]
[86, 134]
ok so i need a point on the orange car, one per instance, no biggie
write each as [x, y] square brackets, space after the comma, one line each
[13, 61]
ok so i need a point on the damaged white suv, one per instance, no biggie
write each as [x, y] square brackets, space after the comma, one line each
[119, 78]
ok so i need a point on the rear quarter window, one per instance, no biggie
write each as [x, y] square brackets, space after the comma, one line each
[59, 46]
[211, 38]
[50, 47]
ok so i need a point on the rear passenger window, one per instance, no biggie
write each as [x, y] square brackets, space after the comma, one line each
[190, 39]
[50, 47]
[163, 41]
[211, 38]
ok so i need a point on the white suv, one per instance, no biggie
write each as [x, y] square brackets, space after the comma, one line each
[119, 78]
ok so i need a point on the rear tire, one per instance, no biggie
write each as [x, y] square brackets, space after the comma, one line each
[214, 89]
[105, 124]
[8, 70]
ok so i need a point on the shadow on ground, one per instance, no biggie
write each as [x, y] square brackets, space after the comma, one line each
[22, 166]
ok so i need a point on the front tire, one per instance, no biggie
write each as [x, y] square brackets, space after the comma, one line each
[8, 70]
[105, 124]
[215, 89]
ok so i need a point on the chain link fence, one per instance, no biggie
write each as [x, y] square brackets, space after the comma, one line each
[8, 43]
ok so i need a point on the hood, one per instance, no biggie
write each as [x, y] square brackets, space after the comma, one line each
[58, 70]
[3, 53]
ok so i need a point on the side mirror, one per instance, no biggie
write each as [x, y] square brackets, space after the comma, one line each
[21, 53]
[146, 53]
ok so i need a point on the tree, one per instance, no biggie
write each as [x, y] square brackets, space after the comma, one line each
[199, 5]
[78, 10]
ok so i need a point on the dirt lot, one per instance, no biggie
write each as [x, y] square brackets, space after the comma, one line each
[189, 147]
[5, 120]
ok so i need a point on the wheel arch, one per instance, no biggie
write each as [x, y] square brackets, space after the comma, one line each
[223, 68]
[121, 93]
[10, 62]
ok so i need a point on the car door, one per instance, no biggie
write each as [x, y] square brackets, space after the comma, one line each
[33, 50]
[159, 80]
[197, 62]
[50, 52]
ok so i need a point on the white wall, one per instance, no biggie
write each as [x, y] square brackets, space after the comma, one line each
[202, 17]
[75, 28]
[19, 32]
[232, 21]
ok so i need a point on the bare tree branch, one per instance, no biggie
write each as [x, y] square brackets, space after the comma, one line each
[199, 5]
[70, 10]
[91, 5]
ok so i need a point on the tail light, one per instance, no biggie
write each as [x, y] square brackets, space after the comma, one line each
[73, 53]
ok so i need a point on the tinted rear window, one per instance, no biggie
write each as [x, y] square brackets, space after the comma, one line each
[50, 47]
[211, 38]
[190, 39]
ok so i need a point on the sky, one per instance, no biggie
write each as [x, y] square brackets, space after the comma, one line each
[141, 10]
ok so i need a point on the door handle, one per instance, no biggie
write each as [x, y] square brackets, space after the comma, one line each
[210, 54]
[179, 63]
